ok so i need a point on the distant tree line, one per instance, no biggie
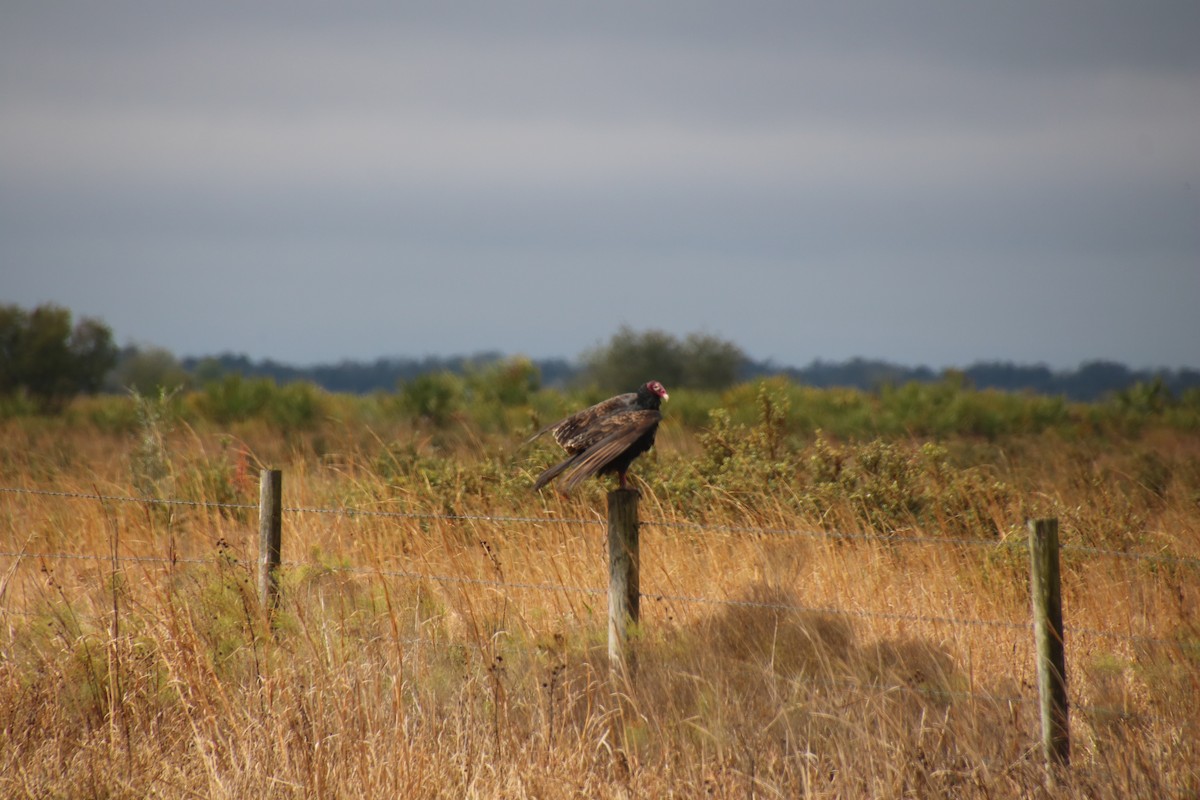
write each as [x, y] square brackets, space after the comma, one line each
[47, 358]
[361, 377]
[1091, 381]
[701, 361]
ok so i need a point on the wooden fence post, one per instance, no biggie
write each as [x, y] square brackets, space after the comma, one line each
[270, 536]
[1046, 587]
[624, 592]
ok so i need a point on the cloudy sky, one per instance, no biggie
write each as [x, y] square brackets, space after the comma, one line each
[926, 182]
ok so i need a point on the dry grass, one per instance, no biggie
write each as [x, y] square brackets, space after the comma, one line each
[846, 668]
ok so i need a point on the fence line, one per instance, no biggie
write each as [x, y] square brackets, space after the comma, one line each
[354, 512]
[110, 558]
[548, 587]
[672, 598]
[594, 591]
[624, 594]
[555, 587]
[125, 499]
[668, 524]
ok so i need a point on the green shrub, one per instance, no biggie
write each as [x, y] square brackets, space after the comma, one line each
[433, 397]
[510, 382]
[884, 486]
[234, 398]
[296, 406]
[745, 459]
[892, 486]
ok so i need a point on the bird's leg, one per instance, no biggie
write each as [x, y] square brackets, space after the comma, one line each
[621, 477]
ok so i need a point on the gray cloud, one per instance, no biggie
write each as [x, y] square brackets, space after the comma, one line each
[917, 181]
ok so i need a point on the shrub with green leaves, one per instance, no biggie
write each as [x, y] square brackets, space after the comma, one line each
[889, 487]
[433, 397]
[883, 486]
[234, 398]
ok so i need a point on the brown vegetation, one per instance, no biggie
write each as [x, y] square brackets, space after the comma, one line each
[822, 617]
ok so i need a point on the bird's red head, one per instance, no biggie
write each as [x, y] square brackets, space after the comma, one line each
[657, 388]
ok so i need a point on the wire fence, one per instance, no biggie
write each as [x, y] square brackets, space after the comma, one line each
[891, 539]
[115, 558]
[603, 591]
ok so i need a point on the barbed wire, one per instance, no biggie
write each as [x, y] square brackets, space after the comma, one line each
[119, 558]
[458, 579]
[418, 515]
[651, 596]
[661, 597]
[1151, 557]
[725, 601]
[162, 501]
[881, 537]
[667, 524]
[595, 591]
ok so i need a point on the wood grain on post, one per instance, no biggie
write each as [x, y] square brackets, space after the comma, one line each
[1046, 587]
[270, 535]
[624, 591]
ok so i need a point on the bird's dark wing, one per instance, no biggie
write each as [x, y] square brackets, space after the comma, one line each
[607, 441]
[568, 429]
[553, 472]
[580, 431]
[544, 430]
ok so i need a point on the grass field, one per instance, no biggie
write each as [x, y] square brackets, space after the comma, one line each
[835, 601]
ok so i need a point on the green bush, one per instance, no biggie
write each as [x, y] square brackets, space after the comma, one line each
[147, 371]
[884, 486]
[744, 459]
[296, 406]
[433, 397]
[891, 486]
[510, 382]
[234, 398]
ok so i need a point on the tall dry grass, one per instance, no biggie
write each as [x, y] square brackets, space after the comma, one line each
[431, 656]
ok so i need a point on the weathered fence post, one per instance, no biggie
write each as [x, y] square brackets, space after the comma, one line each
[624, 593]
[1045, 584]
[270, 535]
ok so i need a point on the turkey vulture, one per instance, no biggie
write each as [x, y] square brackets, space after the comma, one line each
[606, 437]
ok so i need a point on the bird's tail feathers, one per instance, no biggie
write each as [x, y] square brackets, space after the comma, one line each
[558, 469]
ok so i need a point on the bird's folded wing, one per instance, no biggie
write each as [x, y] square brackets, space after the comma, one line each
[619, 432]
[569, 428]
[556, 470]
[549, 427]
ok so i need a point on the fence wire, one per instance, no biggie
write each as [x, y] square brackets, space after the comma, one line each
[597, 591]
[555, 587]
[891, 539]
[506, 585]
[112, 498]
[106, 558]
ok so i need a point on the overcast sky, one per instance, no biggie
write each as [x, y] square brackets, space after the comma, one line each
[925, 182]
